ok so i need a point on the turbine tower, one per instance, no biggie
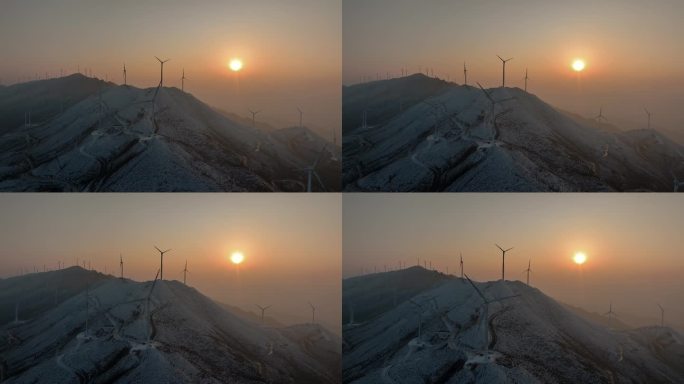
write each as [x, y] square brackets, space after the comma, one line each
[485, 311]
[263, 309]
[161, 79]
[600, 116]
[528, 270]
[300, 118]
[124, 73]
[183, 81]
[649, 117]
[185, 272]
[313, 313]
[461, 265]
[161, 268]
[311, 172]
[503, 260]
[526, 79]
[503, 82]
[121, 265]
[610, 312]
[662, 315]
[254, 113]
[465, 74]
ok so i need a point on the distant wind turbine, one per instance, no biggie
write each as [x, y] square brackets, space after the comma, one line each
[254, 113]
[121, 265]
[610, 312]
[461, 265]
[161, 79]
[161, 268]
[263, 309]
[124, 73]
[300, 118]
[183, 81]
[503, 82]
[649, 118]
[185, 272]
[503, 261]
[313, 313]
[311, 172]
[600, 116]
[528, 270]
[526, 79]
[465, 74]
[662, 315]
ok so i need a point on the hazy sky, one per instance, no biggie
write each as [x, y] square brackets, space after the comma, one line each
[634, 50]
[633, 242]
[291, 243]
[291, 50]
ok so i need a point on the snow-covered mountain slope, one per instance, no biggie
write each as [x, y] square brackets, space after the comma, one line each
[453, 140]
[121, 138]
[530, 338]
[120, 331]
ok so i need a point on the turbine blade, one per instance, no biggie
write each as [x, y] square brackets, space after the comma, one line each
[497, 245]
[476, 289]
[157, 249]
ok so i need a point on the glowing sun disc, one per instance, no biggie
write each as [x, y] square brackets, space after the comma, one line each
[579, 258]
[235, 65]
[578, 65]
[237, 258]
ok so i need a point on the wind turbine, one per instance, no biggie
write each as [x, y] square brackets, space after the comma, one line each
[161, 268]
[124, 73]
[313, 313]
[185, 272]
[526, 79]
[161, 80]
[300, 118]
[263, 309]
[465, 74]
[492, 102]
[461, 265]
[610, 312]
[183, 81]
[121, 265]
[662, 315]
[485, 306]
[649, 117]
[503, 82]
[311, 172]
[254, 113]
[503, 260]
[528, 270]
[600, 116]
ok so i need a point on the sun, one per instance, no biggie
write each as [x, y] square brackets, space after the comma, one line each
[579, 258]
[237, 258]
[578, 65]
[235, 65]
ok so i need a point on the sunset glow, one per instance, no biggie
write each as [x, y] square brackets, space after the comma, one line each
[237, 258]
[578, 65]
[235, 65]
[579, 258]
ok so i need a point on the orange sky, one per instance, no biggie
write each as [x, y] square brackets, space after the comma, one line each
[632, 49]
[291, 242]
[291, 51]
[633, 242]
